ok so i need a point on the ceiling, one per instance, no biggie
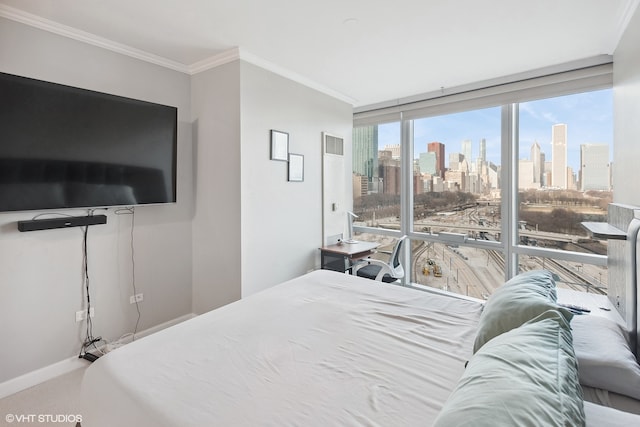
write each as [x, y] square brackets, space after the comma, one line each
[362, 51]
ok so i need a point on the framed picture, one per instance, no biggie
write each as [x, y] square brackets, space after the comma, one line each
[279, 145]
[296, 167]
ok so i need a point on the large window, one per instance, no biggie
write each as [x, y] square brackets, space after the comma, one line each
[564, 178]
[492, 191]
[377, 175]
[456, 189]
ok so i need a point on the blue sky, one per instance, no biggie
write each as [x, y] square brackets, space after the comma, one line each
[589, 119]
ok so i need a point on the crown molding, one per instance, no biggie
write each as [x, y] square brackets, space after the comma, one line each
[288, 74]
[41, 23]
[629, 9]
[214, 61]
[217, 60]
[237, 53]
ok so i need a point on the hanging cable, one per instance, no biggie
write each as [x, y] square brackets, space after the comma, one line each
[90, 340]
[133, 272]
[132, 211]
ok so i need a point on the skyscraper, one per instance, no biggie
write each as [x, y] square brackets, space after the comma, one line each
[526, 174]
[438, 148]
[467, 149]
[483, 150]
[395, 150]
[536, 158]
[365, 152]
[455, 161]
[428, 163]
[559, 156]
[594, 167]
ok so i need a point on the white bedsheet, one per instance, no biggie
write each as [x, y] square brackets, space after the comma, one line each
[325, 349]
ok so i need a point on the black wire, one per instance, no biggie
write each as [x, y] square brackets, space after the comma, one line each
[133, 273]
[89, 340]
[85, 264]
[86, 282]
[132, 211]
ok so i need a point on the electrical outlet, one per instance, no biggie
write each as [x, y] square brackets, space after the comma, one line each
[136, 298]
[82, 314]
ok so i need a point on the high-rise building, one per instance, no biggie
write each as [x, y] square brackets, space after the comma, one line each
[457, 178]
[594, 167]
[360, 186]
[438, 148]
[395, 150]
[483, 150]
[571, 179]
[455, 160]
[536, 158]
[546, 177]
[428, 163]
[389, 173]
[559, 156]
[526, 175]
[493, 175]
[365, 153]
[467, 150]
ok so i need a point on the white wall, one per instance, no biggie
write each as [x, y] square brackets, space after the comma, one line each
[626, 157]
[252, 228]
[41, 272]
[626, 93]
[281, 220]
[216, 225]
[238, 227]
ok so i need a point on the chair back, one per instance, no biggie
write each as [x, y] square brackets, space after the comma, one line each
[394, 261]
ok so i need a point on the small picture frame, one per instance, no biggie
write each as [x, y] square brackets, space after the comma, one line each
[296, 167]
[279, 145]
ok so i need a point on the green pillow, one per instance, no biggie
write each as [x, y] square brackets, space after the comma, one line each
[519, 300]
[525, 377]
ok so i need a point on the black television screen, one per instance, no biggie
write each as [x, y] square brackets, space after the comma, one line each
[65, 147]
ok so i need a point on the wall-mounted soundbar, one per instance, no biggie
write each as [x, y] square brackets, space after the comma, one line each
[71, 221]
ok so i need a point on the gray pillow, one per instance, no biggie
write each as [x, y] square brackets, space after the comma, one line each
[519, 300]
[604, 358]
[525, 377]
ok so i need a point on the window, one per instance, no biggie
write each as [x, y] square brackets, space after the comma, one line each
[456, 189]
[479, 200]
[376, 175]
[564, 178]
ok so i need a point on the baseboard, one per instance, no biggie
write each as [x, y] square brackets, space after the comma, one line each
[41, 375]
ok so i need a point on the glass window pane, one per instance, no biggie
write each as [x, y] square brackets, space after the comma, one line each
[564, 171]
[460, 269]
[456, 174]
[564, 178]
[456, 189]
[570, 275]
[376, 175]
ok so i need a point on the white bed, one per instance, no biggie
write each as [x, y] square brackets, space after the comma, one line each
[323, 349]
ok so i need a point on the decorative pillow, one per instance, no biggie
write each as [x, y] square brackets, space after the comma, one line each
[519, 300]
[604, 358]
[525, 377]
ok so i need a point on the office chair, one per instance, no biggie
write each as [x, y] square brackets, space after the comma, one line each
[376, 269]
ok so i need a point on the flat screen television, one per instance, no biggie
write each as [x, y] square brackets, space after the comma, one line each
[65, 147]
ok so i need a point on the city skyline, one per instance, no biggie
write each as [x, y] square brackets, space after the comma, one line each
[588, 116]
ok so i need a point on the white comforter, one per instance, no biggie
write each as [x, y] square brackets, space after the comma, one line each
[324, 349]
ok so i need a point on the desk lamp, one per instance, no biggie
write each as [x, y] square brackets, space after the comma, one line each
[350, 217]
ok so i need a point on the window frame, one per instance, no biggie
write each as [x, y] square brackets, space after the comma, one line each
[508, 96]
